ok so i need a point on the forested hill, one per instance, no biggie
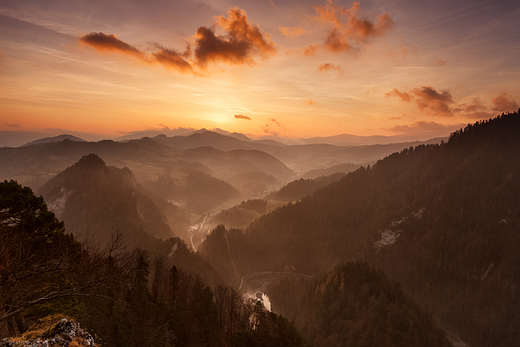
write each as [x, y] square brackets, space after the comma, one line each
[95, 199]
[355, 305]
[442, 219]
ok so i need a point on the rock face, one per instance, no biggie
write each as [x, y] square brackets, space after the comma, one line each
[66, 333]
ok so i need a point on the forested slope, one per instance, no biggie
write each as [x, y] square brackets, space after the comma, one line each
[355, 305]
[442, 219]
[128, 297]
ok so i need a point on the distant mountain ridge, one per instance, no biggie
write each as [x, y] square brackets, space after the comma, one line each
[58, 138]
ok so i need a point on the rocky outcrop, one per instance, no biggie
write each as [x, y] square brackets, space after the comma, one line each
[65, 333]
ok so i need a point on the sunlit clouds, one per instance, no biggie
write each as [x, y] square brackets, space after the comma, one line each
[240, 43]
[274, 69]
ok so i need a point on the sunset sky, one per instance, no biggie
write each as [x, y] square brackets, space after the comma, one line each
[288, 69]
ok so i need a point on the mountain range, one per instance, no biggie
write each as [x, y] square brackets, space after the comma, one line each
[441, 219]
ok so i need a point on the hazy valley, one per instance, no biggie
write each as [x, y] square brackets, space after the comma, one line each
[395, 244]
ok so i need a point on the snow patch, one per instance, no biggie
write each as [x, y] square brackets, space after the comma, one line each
[58, 205]
[388, 237]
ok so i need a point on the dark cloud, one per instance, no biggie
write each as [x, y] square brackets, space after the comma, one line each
[104, 42]
[241, 41]
[350, 26]
[427, 99]
[241, 116]
[504, 103]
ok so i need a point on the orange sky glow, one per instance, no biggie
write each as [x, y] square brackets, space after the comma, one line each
[278, 69]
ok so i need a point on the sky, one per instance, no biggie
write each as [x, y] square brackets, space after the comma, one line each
[283, 69]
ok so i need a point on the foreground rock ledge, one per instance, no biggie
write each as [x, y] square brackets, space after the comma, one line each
[65, 333]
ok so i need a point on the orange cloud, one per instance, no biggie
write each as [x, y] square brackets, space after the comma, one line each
[292, 31]
[310, 102]
[427, 99]
[241, 116]
[349, 25]
[241, 41]
[328, 67]
[103, 42]
[504, 103]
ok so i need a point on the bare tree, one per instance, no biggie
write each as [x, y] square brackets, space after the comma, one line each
[39, 262]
